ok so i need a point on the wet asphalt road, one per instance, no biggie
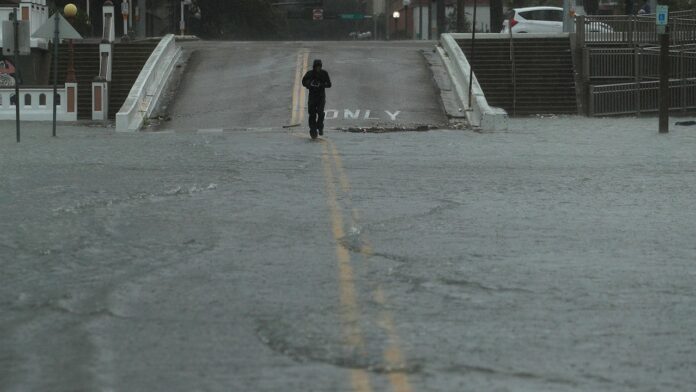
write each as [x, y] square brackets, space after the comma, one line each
[558, 256]
[252, 85]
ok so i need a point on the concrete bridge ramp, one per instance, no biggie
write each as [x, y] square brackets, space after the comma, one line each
[256, 85]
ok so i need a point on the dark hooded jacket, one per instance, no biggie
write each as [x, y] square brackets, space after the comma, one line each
[316, 81]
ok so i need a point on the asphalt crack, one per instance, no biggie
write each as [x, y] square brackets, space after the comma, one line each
[278, 337]
[513, 374]
[390, 129]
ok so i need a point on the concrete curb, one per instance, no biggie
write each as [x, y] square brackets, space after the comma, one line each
[479, 113]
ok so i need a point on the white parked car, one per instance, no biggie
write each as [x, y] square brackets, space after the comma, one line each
[542, 20]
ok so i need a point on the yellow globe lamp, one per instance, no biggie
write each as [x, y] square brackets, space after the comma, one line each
[70, 10]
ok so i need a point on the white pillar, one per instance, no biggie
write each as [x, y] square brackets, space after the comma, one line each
[105, 61]
[100, 100]
[108, 14]
[125, 10]
[70, 106]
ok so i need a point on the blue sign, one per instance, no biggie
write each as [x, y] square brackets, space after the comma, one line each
[661, 15]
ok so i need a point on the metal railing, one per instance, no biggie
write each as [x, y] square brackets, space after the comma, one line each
[611, 63]
[638, 62]
[634, 29]
[641, 97]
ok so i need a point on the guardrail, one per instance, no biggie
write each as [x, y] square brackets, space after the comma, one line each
[639, 62]
[634, 29]
[147, 90]
[640, 97]
[611, 63]
[37, 103]
[478, 113]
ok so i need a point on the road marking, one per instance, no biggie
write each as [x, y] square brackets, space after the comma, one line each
[351, 115]
[342, 178]
[393, 115]
[350, 312]
[393, 357]
[210, 130]
[298, 91]
[392, 354]
[295, 89]
[360, 114]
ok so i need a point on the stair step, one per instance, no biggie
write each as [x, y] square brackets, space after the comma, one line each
[128, 62]
[543, 73]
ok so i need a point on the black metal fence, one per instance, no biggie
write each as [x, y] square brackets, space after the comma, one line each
[619, 62]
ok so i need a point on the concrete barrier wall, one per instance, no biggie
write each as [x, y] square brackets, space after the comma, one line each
[478, 113]
[147, 89]
[36, 104]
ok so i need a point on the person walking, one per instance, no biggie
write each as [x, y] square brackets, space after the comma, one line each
[316, 81]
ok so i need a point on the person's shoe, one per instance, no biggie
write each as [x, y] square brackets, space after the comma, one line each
[313, 133]
[321, 131]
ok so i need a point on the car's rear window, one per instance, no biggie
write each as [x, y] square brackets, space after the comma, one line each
[555, 15]
[545, 15]
[529, 15]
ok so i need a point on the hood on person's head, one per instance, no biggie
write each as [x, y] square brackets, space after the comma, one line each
[317, 64]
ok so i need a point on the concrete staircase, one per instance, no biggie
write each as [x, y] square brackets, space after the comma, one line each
[129, 59]
[86, 68]
[542, 81]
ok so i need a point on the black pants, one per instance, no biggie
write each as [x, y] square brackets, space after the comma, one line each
[316, 113]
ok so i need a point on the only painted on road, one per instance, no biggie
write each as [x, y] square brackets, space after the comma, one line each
[361, 114]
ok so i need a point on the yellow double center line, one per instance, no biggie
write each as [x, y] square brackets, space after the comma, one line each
[393, 357]
[298, 91]
[335, 181]
[350, 310]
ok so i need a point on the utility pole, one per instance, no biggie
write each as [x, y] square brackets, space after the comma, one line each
[663, 96]
[662, 27]
[496, 15]
[441, 20]
[461, 17]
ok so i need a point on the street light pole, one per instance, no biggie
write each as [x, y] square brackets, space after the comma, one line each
[406, 19]
[396, 16]
[386, 19]
[15, 23]
[471, 63]
[182, 22]
[70, 11]
[56, 38]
